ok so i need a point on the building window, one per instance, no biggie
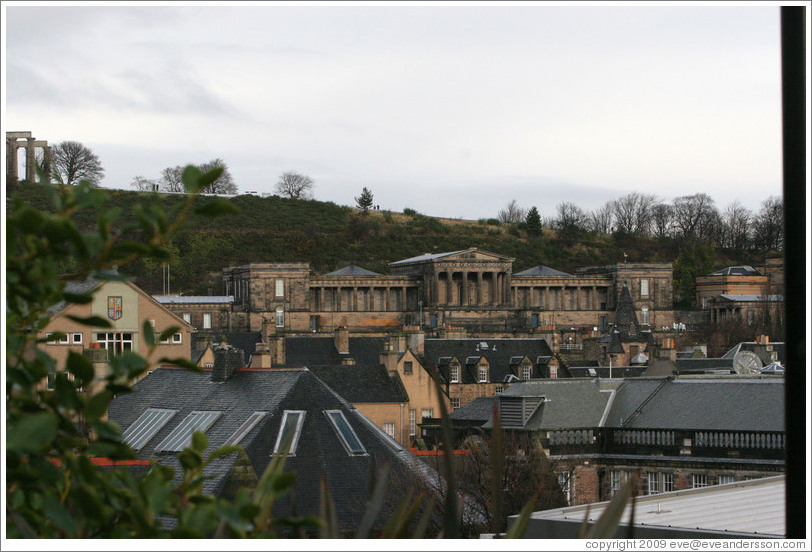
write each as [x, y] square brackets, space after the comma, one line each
[725, 479]
[177, 338]
[668, 482]
[603, 322]
[116, 342]
[187, 317]
[407, 368]
[427, 413]
[206, 321]
[347, 434]
[208, 365]
[498, 390]
[412, 421]
[63, 339]
[644, 287]
[455, 402]
[565, 482]
[615, 481]
[699, 480]
[389, 428]
[553, 371]
[483, 374]
[653, 483]
[527, 371]
[455, 373]
[289, 431]
[280, 317]
[280, 287]
[76, 339]
[644, 318]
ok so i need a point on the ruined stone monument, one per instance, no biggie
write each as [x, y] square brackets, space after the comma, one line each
[24, 140]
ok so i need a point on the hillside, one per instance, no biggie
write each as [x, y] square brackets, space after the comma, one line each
[329, 236]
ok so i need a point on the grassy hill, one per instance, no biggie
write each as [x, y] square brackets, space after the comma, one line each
[329, 236]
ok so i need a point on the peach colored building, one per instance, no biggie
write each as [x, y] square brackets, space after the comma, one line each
[125, 307]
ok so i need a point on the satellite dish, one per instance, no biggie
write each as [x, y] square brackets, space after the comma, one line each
[747, 363]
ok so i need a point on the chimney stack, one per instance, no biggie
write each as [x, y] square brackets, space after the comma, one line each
[227, 360]
[342, 340]
[389, 357]
[261, 357]
[276, 350]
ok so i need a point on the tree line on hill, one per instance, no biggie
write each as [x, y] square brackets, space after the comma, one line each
[689, 218]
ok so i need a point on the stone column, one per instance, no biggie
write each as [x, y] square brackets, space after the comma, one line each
[30, 161]
[465, 288]
[11, 158]
[479, 294]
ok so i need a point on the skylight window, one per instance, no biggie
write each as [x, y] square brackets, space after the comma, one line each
[247, 426]
[181, 436]
[146, 426]
[345, 432]
[289, 431]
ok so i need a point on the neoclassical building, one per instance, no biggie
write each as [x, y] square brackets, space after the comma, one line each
[472, 289]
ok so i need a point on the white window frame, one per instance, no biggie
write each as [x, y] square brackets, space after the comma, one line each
[280, 317]
[615, 482]
[177, 338]
[279, 287]
[482, 372]
[296, 431]
[389, 429]
[644, 287]
[76, 338]
[498, 390]
[654, 483]
[206, 320]
[527, 372]
[455, 402]
[553, 372]
[187, 317]
[455, 373]
[412, 422]
[426, 413]
[667, 482]
[699, 480]
[645, 316]
[118, 342]
[724, 479]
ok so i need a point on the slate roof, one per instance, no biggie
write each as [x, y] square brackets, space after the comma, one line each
[426, 257]
[603, 371]
[362, 383]
[688, 364]
[571, 403]
[498, 353]
[319, 454]
[321, 351]
[742, 270]
[620, 331]
[76, 287]
[351, 270]
[711, 403]
[478, 410]
[541, 270]
[750, 298]
[193, 299]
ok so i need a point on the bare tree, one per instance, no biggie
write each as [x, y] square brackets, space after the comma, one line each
[172, 179]
[768, 232]
[295, 186]
[736, 225]
[570, 217]
[662, 220]
[71, 162]
[632, 213]
[224, 183]
[696, 217]
[602, 219]
[143, 184]
[512, 212]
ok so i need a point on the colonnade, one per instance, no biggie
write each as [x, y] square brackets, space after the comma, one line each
[362, 298]
[17, 140]
[562, 297]
[466, 287]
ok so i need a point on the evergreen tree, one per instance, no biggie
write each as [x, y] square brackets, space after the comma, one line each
[533, 221]
[364, 201]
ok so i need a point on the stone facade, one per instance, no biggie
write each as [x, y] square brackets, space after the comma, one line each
[472, 289]
[25, 140]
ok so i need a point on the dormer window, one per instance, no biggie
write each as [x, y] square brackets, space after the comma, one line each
[455, 373]
[483, 373]
[289, 431]
[407, 368]
[527, 371]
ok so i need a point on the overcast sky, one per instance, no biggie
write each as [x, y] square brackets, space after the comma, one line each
[452, 110]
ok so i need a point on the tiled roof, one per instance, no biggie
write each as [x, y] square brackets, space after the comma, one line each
[743, 270]
[362, 383]
[321, 351]
[351, 270]
[725, 403]
[541, 270]
[319, 454]
[478, 410]
[571, 403]
[193, 299]
[75, 287]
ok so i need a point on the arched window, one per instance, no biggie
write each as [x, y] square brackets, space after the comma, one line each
[280, 317]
